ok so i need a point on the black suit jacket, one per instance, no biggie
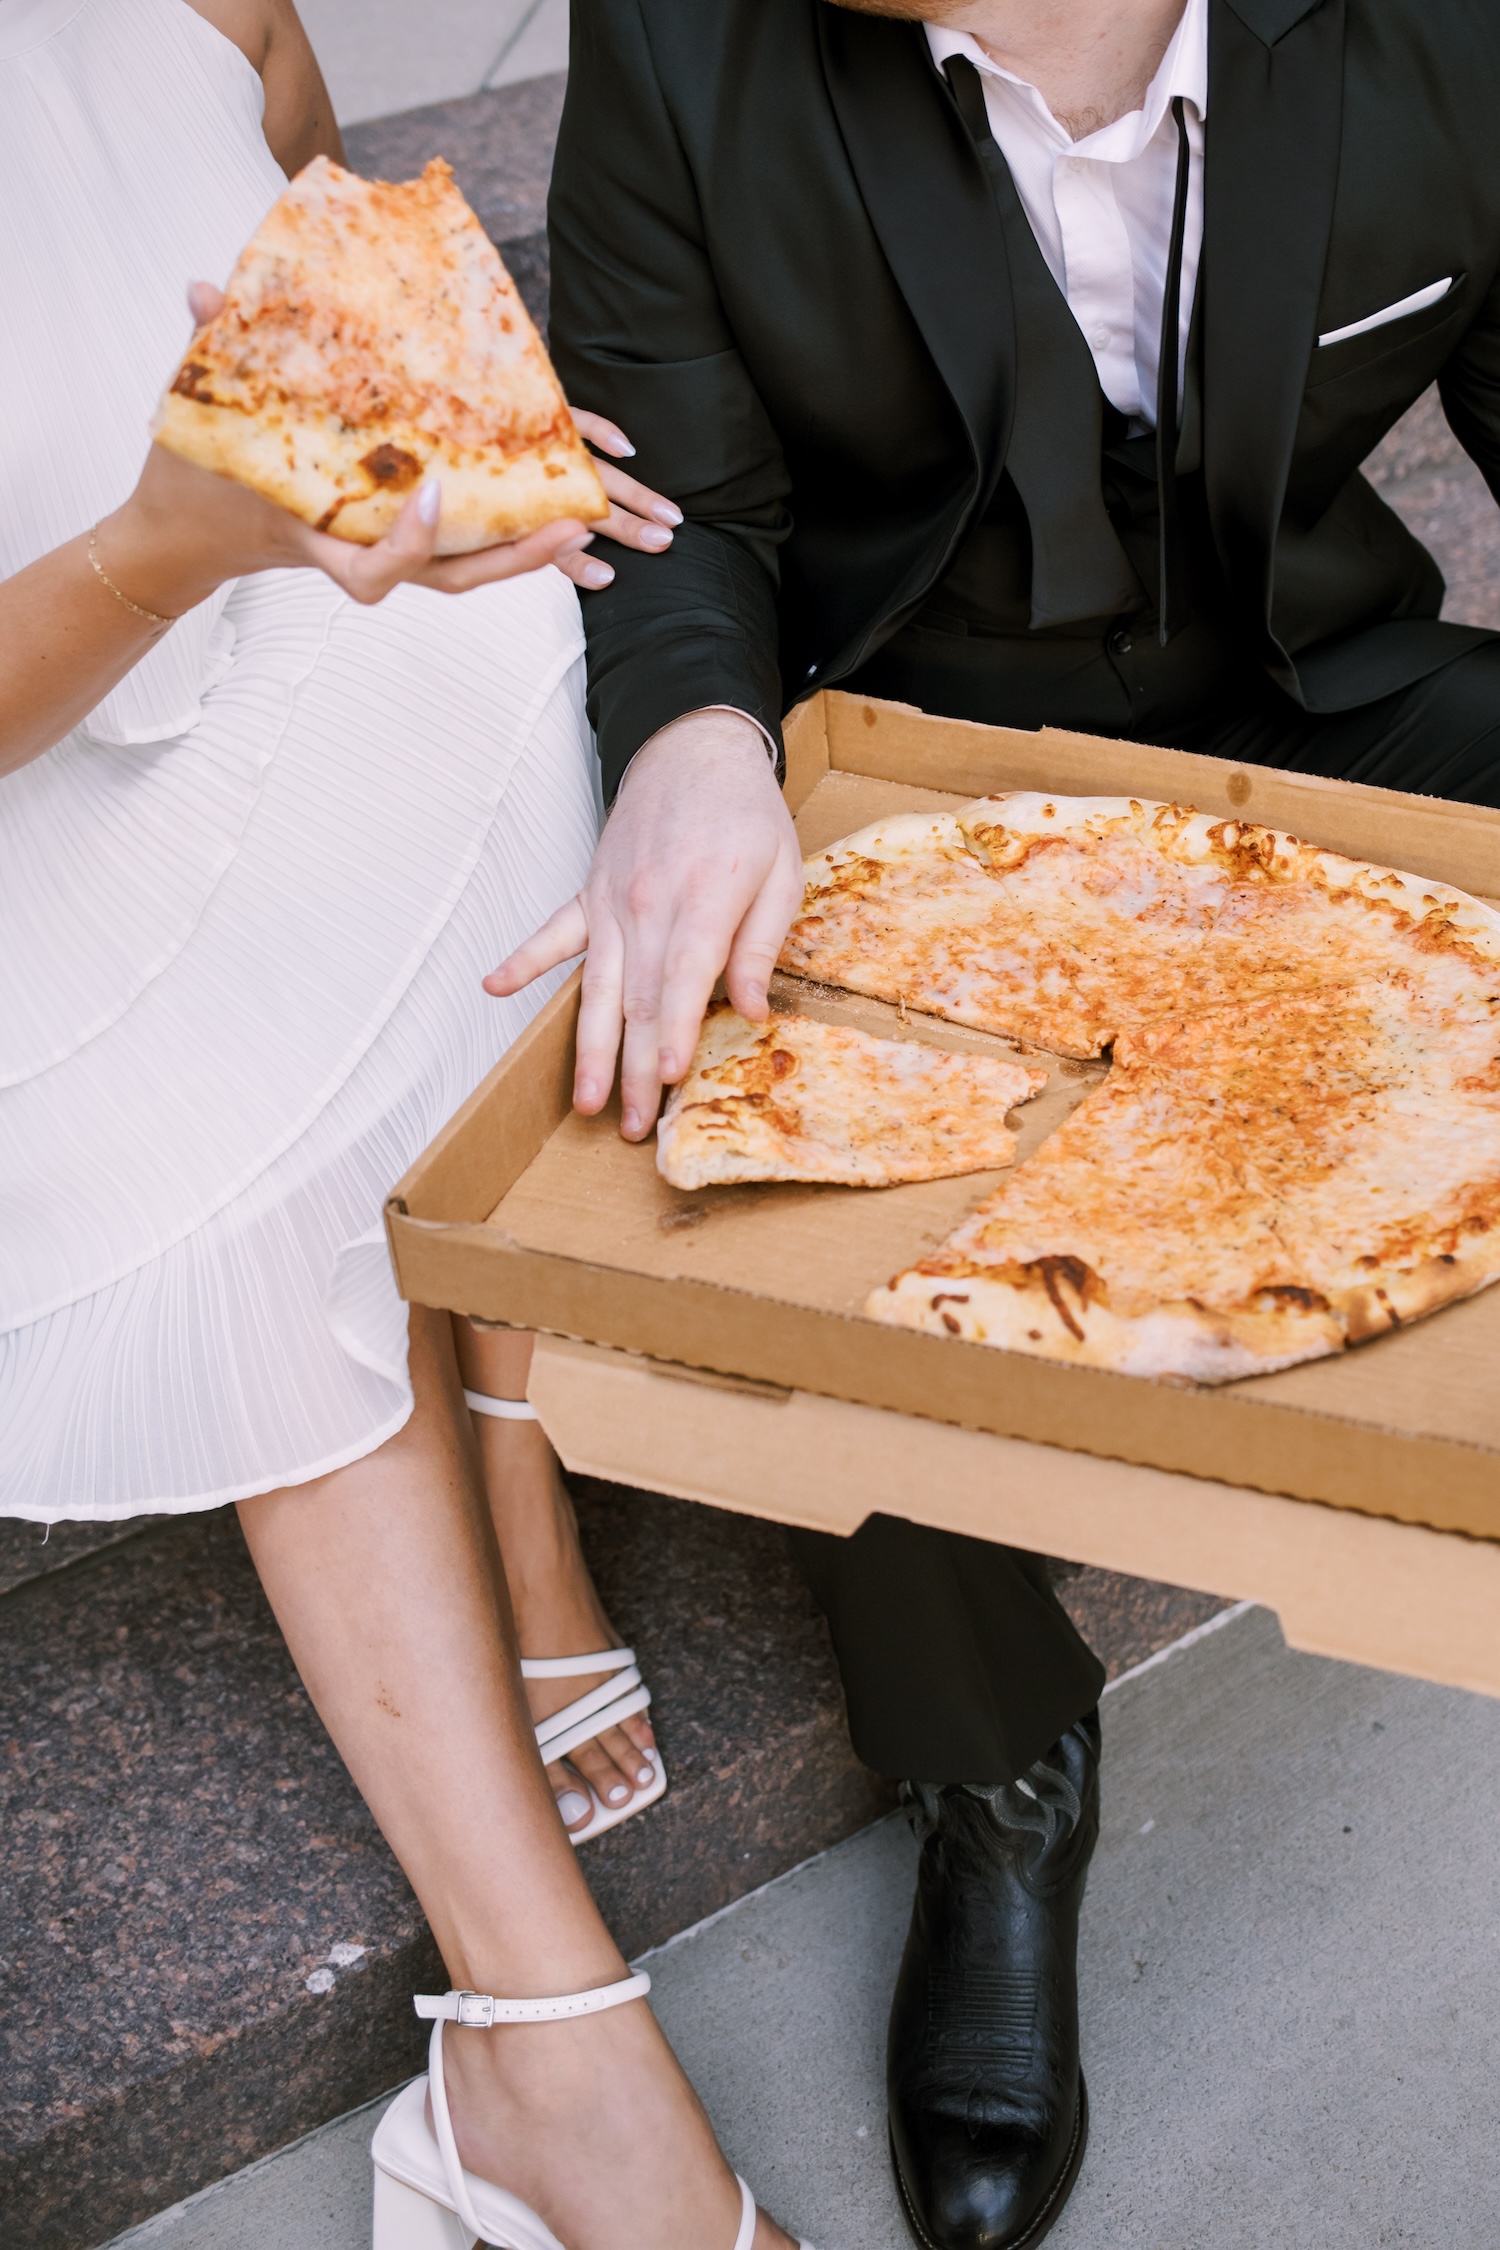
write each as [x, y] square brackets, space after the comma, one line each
[777, 263]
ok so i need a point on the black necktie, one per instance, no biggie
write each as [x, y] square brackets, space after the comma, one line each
[1171, 603]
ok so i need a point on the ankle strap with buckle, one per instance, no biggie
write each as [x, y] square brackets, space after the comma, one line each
[480, 2011]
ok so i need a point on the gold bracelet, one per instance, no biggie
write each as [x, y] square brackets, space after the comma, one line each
[152, 616]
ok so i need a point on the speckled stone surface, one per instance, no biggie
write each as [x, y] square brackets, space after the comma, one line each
[180, 1848]
[1423, 473]
[32, 1550]
[500, 146]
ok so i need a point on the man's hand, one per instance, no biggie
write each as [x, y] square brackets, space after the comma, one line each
[698, 871]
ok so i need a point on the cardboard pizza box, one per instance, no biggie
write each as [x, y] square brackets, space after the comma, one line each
[524, 1214]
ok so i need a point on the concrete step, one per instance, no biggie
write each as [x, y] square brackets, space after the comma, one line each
[207, 1949]
[1290, 1990]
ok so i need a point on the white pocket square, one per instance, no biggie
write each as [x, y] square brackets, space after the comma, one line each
[1418, 301]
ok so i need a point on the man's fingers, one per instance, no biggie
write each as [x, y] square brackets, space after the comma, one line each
[601, 1015]
[759, 938]
[699, 944]
[646, 943]
[640, 1075]
[560, 938]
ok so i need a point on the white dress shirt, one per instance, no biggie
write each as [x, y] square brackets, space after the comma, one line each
[1101, 207]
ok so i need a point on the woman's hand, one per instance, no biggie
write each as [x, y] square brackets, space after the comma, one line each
[184, 521]
[638, 517]
[184, 531]
[74, 622]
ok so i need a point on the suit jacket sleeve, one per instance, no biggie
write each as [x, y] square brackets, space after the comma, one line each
[639, 333]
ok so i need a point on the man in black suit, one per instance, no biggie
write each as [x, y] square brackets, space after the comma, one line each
[895, 297]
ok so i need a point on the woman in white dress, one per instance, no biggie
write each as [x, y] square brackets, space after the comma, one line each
[269, 810]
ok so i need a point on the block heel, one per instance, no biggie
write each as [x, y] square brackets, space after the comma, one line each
[405, 2219]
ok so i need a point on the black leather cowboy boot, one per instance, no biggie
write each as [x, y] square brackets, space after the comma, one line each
[988, 2108]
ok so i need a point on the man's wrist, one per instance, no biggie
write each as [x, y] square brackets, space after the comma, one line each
[741, 729]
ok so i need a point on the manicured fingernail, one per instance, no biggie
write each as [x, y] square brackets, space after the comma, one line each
[653, 537]
[664, 512]
[596, 574]
[618, 444]
[644, 1773]
[619, 1793]
[631, 1121]
[429, 500]
[572, 1804]
[576, 545]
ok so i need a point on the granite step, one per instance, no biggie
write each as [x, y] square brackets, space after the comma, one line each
[206, 1948]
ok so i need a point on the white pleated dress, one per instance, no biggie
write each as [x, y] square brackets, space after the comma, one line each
[246, 907]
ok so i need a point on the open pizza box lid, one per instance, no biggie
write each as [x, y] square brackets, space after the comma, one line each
[524, 1214]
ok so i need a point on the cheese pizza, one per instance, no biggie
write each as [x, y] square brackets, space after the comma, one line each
[1298, 1143]
[792, 1099]
[1264, 1182]
[1064, 920]
[371, 337]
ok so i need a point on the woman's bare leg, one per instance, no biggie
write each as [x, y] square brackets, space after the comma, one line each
[382, 1577]
[557, 1610]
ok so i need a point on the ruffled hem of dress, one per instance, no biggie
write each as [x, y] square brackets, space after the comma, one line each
[200, 1503]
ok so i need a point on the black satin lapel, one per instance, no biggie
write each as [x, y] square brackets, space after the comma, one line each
[1272, 156]
[932, 210]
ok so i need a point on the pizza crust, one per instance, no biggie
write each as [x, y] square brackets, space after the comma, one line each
[370, 338]
[792, 1099]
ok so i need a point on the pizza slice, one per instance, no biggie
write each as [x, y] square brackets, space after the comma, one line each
[1265, 1183]
[370, 338]
[792, 1099]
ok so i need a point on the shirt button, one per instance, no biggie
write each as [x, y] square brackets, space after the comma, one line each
[1120, 643]
[1100, 339]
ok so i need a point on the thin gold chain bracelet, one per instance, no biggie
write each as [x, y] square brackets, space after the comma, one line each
[152, 616]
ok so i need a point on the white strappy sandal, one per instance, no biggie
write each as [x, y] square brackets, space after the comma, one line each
[616, 1698]
[424, 2199]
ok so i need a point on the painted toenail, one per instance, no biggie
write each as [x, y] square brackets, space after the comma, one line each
[572, 1804]
[644, 1773]
[618, 1794]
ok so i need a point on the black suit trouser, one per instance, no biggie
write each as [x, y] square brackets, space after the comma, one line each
[959, 1662]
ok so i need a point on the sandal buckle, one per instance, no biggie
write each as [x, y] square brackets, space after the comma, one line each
[475, 2011]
